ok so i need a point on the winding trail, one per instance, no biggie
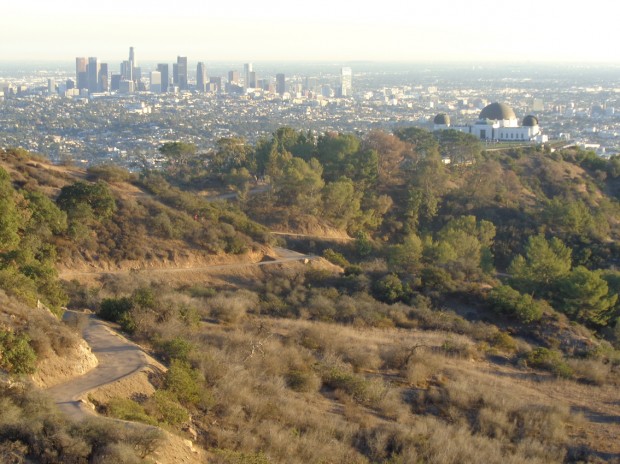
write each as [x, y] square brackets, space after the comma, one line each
[283, 256]
[118, 358]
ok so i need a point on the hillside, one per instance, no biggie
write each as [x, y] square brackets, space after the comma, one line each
[113, 220]
[470, 313]
[56, 220]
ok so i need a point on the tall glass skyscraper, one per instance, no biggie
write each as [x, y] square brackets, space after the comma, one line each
[93, 75]
[163, 68]
[181, 73]
[201, 77]
[247, 70]
[81, 76]
[346, 82]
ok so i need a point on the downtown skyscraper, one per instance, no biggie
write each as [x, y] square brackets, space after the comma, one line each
[129, 70]
[81, 75]
[93, 74]
[346, 82]
[164, 70]
[280, 84]
[201, 77]
[247, 76]
[104, 79]
[180, 73]
[155, 82]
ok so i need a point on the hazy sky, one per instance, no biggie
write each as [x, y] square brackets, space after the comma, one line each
[316, 30]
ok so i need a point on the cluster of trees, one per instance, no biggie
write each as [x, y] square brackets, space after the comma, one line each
[546, 270]
[87, 220]
[339, 177]
[442, 213]
[29, 221]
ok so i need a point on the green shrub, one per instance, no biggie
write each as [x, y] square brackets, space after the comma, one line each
[110, 173]
[126, 409]
[115, 309]
[502, 341]
[16, 284]
[302, 380]
[144, 297]
[183, 382]
[551, 360]
[164, 406]
[335, 258]
[16, 354]
[353, 270]
[509, 301]
[391, 289]
[176, 348]
[357, 387]
[189, 315]
[199, 291]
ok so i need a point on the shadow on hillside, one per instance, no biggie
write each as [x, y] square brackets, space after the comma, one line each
[583, 453]
[596, 416]
[524, 375]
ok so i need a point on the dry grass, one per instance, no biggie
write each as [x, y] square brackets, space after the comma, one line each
[380, 399]
[315, 392]
[48, 335]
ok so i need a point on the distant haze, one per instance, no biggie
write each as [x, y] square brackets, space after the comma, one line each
[392, 30]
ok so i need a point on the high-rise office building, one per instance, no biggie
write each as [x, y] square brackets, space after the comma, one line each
[126, 72]
[93, 74]
[311, 84]
[280, 84]
[137, 73]
[155, 82]
[215, 84]
[346, 82]
[252, 80]
[233, 77]
[247, 69]
[126, 87]
[51, 86]
[104, 82]
[115, 82]
[201, 77]
[81, 76]
[181, 73]
[165, 78]
[133, 70]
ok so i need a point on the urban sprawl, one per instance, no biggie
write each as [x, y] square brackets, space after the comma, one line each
[92, 115]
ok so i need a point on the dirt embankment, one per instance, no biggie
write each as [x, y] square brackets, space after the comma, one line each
[184, 259]
[78, 377]
[56, 369]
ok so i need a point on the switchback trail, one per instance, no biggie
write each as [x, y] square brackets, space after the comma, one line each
[118, 358]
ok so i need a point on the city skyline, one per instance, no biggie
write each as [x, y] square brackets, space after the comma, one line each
[397, 31]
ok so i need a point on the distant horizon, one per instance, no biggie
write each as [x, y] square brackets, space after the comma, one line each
[464, 62]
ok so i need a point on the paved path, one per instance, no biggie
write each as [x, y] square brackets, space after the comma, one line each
[117, 357]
